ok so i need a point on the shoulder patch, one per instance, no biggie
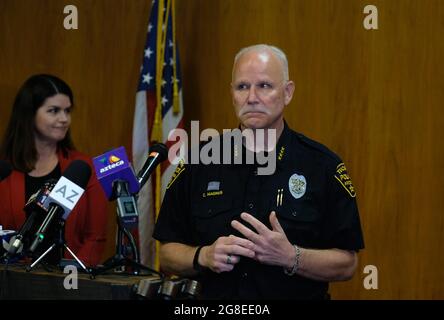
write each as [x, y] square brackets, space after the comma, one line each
[180, 168]
[344, 179]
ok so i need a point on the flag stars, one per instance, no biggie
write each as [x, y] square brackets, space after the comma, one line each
[163, 82]
[148, 53]
[172, 80]
[147, 78]
[164, 101]
[171, 62]
[170, 44]
[150, 26]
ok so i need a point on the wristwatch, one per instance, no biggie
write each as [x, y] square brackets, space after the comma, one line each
[196, 265]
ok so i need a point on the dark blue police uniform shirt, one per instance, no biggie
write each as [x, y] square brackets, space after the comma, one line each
[314, 200]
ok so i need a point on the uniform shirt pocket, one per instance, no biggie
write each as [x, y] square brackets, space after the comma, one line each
[212, 218]
[300, 220]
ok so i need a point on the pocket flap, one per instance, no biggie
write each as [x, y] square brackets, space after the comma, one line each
[210, 207]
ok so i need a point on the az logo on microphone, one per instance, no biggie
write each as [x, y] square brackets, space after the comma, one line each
[66, 194]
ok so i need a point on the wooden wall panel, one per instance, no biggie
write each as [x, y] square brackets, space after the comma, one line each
[374, 97]
[101, 61]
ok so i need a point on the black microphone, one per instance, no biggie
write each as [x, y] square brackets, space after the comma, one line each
[34, 208]
[5, 169]
[157, 153]
[64, 196]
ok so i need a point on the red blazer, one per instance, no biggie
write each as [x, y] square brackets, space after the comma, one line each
[85, 228]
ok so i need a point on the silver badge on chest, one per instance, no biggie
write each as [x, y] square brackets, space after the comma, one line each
[297, 185]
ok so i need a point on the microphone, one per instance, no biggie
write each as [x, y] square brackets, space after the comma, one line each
[114, 166]
[118, 180]
[158, 153]
[63, 197]
[5, 169]
[35, 208]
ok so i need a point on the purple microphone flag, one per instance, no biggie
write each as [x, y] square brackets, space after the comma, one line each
[114, 165]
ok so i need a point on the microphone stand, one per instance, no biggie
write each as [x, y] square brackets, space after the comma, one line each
[59, 244]
[119, 261]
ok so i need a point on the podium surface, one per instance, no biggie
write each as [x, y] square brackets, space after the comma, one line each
[17, 284]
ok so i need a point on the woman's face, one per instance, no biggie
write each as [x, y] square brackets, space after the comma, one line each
[53, 118]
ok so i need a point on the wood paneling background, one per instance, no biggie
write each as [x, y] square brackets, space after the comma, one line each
[374, 97]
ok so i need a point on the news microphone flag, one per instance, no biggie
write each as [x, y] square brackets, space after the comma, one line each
[158, 112]
[114, 165]
[69, 188]
[63, 197]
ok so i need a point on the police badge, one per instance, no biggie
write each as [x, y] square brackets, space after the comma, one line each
[297, 185]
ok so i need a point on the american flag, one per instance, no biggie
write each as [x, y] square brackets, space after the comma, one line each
[158, 112]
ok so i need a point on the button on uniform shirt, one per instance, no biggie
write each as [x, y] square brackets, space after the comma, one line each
[310, 191]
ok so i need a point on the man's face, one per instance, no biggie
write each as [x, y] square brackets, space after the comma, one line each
[259, 90]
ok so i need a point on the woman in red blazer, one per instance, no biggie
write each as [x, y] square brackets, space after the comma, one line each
[38, 145]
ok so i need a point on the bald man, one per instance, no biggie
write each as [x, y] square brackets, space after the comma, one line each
[245, 235]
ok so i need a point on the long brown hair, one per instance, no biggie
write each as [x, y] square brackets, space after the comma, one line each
[18, 145]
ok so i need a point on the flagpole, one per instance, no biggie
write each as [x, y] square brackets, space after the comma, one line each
[154, 97]
[176, 107]
[157, 133]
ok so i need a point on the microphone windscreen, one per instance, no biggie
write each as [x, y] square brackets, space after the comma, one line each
[161, 149]
[5, 169]
[78, 172]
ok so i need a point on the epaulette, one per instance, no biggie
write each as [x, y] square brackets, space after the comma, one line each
[340, 173]
[316, 146]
